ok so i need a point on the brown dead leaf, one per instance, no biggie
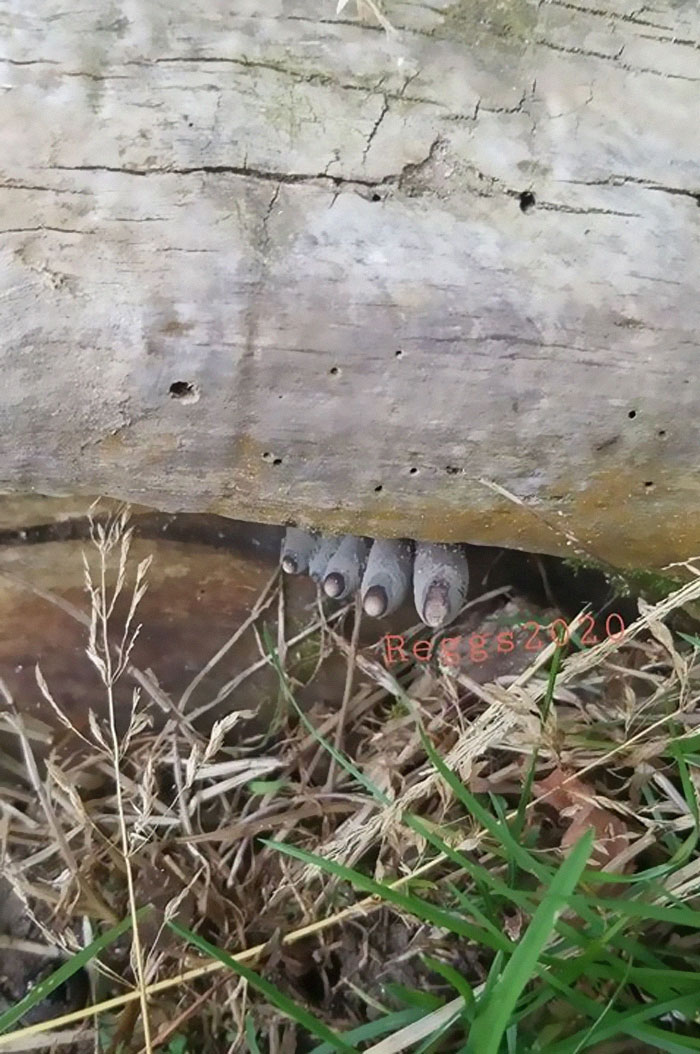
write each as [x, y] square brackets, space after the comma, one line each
[513, 924]
[577, 804]
[506, 780]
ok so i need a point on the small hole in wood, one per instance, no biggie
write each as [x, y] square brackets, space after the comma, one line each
[184, 391]
[452, 470]
[527, 201]
[398, 354]
[334, 371]
[649, 484]
[378, 489]
[376, 197]
[632, 414]
[413, 471]
[661, 433]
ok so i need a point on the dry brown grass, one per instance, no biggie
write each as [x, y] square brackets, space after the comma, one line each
[153, 804]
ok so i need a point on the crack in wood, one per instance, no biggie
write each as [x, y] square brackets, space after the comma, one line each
[645, 184]
[398, 179]
[375, 128]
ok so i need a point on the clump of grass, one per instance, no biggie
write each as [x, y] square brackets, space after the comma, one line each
[531, 845]
[615, 981]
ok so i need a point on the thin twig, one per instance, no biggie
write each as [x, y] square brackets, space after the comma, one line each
[347, 690]
[362, 907]
[101, 611]
[231, 686]
[97, 902]
[260, 605]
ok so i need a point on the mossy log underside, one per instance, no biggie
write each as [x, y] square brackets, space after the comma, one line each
[264, 261]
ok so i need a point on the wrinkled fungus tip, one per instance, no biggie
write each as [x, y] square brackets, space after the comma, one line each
[334, 584]
[375, 602]
[289, 565]
[436, 608]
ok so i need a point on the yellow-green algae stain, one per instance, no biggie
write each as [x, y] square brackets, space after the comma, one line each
[473, 22]
[610, 520]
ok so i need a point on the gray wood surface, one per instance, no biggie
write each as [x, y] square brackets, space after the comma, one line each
[317, 225]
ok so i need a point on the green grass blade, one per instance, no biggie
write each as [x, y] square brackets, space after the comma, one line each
[343, 761]
[434, 1043]
[689, 792]
[652, 874]
[665, 1042]
[271, 992]
[661, 984]
[422, 909]
[657, 1038]
[373, 1029]
[596, 926]
[587, 1040]
[521, 899]
[492, 1020]
[426, 1002]
[695, 641]
[511, 848]
[526, 793]
[628, 1023]
[640, 909]
[492, 979]
[500, 831]
[251, 1038]
[471, 908]
[66, 970]
[266, 786]
[453, 977]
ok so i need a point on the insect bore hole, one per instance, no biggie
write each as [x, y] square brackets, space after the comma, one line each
[527, 201]
[184, 391]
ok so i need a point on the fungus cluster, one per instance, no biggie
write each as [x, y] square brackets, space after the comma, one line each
[384, 571]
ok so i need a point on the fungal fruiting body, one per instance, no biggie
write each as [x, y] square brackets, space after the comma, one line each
[345, 568]
[440, 582]
[319, 559]
[387, 578]
[297, 549]
[382, 570]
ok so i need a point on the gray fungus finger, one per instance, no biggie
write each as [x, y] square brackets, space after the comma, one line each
[387, 578]
[327, 545]
[345, 568]
[382, 571]
[298, 547]
[440, 582]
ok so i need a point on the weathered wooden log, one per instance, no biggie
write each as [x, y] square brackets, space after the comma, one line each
[436, 281]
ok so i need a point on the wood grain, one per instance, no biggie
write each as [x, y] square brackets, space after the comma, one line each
[313, 229]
